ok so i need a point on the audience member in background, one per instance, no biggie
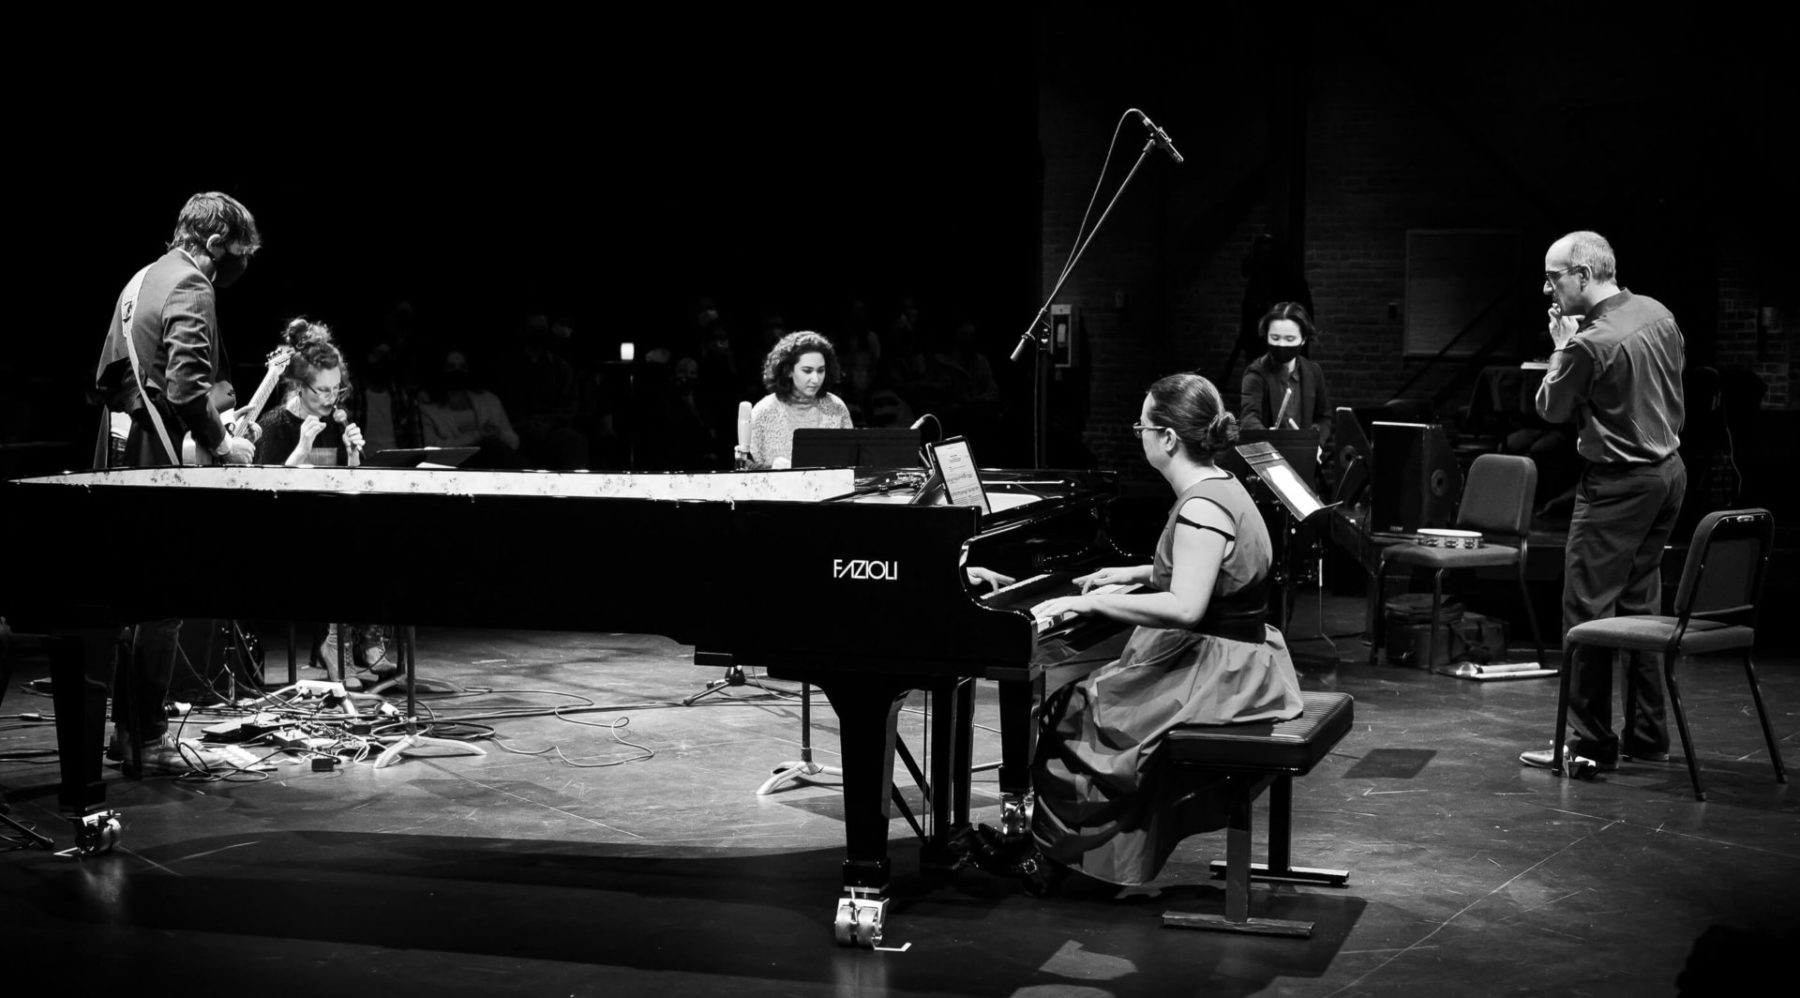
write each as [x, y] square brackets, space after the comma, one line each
[689, 439]
[719, 385]
[386, 403]
[855, 333]
[1107, 804]
[871, 400]
[1283, 390]
[460, 413]
[798, 371]
[905, 365]
[971, 396]
[543, 393]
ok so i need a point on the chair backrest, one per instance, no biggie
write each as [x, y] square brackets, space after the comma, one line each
[1726, 562]
[1499, 495]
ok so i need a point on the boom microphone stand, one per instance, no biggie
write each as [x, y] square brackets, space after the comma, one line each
[1037, 334]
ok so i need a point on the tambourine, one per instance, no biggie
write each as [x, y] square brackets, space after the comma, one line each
[1455, 539]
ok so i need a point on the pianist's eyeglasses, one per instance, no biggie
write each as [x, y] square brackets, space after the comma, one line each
[1139, 428]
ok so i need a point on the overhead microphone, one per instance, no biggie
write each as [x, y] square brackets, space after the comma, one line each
[1162, 137]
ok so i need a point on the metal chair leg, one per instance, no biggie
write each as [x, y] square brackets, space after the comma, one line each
[1377, 625]
[1437, 607]
[1537, 636]
[1687, 740]
[1763, 715]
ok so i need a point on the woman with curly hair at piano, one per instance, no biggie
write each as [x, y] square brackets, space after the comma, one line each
[1200, 653]
[797, 373]
[305, 428]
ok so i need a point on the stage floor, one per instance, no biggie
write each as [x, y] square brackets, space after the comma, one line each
[623, 851]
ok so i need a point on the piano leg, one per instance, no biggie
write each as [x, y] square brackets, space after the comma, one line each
[867, 708]
[80, 702]
[1018, 739]
[80, 719]
[952, 764]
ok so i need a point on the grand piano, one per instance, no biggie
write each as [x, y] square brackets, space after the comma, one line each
[708, 560]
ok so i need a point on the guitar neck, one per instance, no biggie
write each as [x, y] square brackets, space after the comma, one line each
[260, 397]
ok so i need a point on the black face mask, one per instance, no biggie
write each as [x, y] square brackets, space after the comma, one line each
[228, 268]
[1282, 355]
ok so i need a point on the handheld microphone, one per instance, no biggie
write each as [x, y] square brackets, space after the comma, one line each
[743, 430]
[1162, 137]
[342, 418]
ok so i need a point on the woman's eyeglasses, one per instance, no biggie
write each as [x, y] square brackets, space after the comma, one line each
[1139, 428]
[327, 393]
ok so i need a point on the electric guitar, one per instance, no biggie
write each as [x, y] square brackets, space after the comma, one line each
[237, 421]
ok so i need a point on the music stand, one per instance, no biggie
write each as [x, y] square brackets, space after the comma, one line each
[1297, 500]
[412, 457]
[863, 448]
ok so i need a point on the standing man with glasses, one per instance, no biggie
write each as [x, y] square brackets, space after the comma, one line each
[159, 364]
[1616, 371]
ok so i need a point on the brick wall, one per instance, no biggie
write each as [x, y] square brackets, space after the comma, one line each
[1398, 136]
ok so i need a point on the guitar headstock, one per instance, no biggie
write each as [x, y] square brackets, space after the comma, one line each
[279, 358]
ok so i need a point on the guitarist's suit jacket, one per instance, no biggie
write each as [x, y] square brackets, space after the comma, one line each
[176, 330]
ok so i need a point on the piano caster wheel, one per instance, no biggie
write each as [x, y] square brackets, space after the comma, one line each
[860, 919]
[1015, 816]
[96, 833]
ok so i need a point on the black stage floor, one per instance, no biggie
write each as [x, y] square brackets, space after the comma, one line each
[623, 851]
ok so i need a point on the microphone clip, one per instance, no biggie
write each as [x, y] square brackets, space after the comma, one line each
[1160, 137]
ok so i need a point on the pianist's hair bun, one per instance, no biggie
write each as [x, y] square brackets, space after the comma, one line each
[314, 351]
[302, 332]
[1191, 406]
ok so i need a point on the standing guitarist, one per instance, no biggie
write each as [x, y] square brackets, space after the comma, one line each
[162, 374]
[161, 358]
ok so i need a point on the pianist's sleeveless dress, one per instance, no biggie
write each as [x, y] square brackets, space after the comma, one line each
[1105, 804]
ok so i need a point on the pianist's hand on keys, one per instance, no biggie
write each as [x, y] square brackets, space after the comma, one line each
[1046, 615]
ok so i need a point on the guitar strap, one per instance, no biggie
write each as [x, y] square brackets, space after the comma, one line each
[128, 303]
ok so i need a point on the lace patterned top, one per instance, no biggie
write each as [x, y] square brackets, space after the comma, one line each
[773, 422]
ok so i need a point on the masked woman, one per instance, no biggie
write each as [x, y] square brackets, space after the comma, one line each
[1283, 390]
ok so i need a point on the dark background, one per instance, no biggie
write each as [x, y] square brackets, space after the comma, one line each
[612, 174]
[615, 167]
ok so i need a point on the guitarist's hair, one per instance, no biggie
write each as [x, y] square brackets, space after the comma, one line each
[314, 350]
[216, 214]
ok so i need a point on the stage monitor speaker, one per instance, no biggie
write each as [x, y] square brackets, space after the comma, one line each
[1414, 481]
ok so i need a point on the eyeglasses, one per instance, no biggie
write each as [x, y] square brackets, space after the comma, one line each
[327, 393]
[1552, 276]
[1139, 428]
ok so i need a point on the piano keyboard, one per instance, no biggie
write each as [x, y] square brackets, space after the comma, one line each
[1026, 593]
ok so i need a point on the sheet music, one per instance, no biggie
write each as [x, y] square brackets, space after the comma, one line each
[962, 480]
[1300, 500]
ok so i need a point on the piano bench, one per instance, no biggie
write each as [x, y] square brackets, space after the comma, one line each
[1254, 758]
